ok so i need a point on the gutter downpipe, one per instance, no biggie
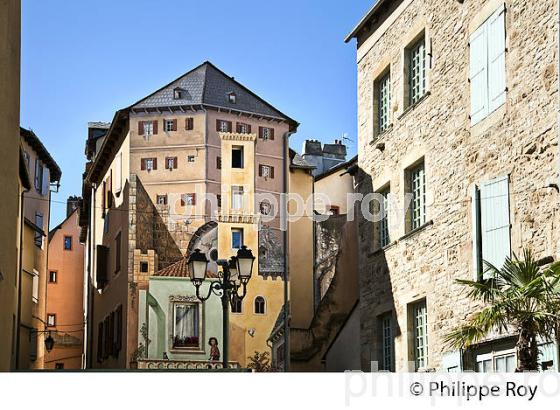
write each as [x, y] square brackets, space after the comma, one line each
[558, 133]
[286, 346]
[90, 284]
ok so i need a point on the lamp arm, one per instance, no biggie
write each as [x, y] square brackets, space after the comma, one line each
[215, 287]
[236, 291]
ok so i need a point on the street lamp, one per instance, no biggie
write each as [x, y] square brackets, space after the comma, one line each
[235, 274]
[49, 342]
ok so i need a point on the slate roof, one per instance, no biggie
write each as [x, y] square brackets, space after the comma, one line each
[297, 161]
[208, 85]
[180, 270]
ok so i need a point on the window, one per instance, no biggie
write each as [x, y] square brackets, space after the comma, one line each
[383, 103]
[259, 305]
[188, 199]
[420, 332]
[26, 159]
[186, 326]
[178, 94]
[266, 171]
[147, 128]
[59, 366]
[223, 126]
[236, 238]
[170, 125]
[52, 276]
[236, 304]
[266, 133]
[237, 197]
[51, 319]
[499, 362]
[416, 71]
[387, 342]
[237, 157]
[35, 287]
[218, 162]
[190, 158]
[161, 199]
[491, 225]
[39, 235]
[170, 163]
[148, 164]
[418, 191]
[487, 71]
[384, 238]
[189, 123]
[243, 128]
[118, 253]
[144, 267]
[232, 98]
[39, 175]
[118, 172]
[219, 200]
[67, 243]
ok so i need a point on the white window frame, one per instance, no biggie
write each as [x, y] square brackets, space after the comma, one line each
[237, 197]
[35, 286]
[384, 237]
[168, 165]
[168, 125]
[241, 233]
[417, 70]
[384, 102]
[387, 341]
[148, 128]
[149, 164]
[492, 358]
[418, 191]
[51, 323]
[199, 313]
[420, 333]
[266, 133]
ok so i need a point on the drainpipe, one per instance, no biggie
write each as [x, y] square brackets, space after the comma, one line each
[20, 270]
[286, 258]
[90, 298]
[558, 132]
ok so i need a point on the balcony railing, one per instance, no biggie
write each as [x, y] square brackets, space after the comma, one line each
[157, 364]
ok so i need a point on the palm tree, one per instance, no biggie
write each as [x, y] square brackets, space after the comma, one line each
[519, 297]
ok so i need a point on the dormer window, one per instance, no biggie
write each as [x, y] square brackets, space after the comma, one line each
[178, 94]
[232, 98]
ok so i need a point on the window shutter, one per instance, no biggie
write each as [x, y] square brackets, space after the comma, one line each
[238, 127]
[46, 177]
[476, 234]
[38, 169]
[219, 162]
[100, 342]
[189, 123]
[218, 125]
[175, 162]
[451, 362]
[248, 128]
[140, 127]
[155, 125]
[118, 178]
[182, 199]
[155, 163]
[33, 344]
[229, 126]
[272, 172]
[143, 164]
[175, 125]
[260, 132]
[497, 59]
[260, 170]
[478, 74]
[118, 343]
[193, 199]
[271, 132]
[495, 222]
[104, 197]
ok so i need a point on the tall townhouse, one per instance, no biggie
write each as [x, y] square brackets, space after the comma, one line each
[32, 297]
[10, 41]
[198, 163]
[457, 132]
[65, 290]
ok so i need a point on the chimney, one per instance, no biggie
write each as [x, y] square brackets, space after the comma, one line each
[72, 203]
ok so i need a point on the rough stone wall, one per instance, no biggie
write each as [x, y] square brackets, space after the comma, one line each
[519, 139]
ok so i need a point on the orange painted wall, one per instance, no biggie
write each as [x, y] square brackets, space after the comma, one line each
[65, 297]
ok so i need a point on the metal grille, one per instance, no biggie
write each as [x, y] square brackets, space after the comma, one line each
[417, 71]
[384, 222]
[384, 102]
[420, 335]
[418, 189]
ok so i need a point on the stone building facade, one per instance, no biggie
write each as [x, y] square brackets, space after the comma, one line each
[457, 106]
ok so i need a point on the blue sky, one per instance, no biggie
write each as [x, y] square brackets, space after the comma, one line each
[83, 60]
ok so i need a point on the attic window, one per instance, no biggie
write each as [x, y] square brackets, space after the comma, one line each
[178, 94]
[232, 98]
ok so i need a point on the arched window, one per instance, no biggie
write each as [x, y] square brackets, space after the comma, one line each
[259, 305]
[236, 305]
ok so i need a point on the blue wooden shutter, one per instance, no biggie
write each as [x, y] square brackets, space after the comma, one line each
[495, 223]
[451, 362]
[46, 181]
[496, 59]
[476, 235]
[478, 74]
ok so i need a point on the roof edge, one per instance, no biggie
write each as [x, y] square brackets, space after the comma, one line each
[364, 20]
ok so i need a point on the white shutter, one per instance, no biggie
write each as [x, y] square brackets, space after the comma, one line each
[35, 287]
[475, 198]
[478, 74]
[46, 181]
[494, 198]
[451, 362]
[38, 169]
[118, 176]
[496, 59]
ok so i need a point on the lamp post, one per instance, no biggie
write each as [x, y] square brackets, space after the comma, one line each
[235, 274]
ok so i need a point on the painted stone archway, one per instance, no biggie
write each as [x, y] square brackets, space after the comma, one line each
[206, 239]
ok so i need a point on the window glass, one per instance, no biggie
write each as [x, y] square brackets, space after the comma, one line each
[67, 243]
[237, 157]
[417, 71]
[186, 326]
[236, 238]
